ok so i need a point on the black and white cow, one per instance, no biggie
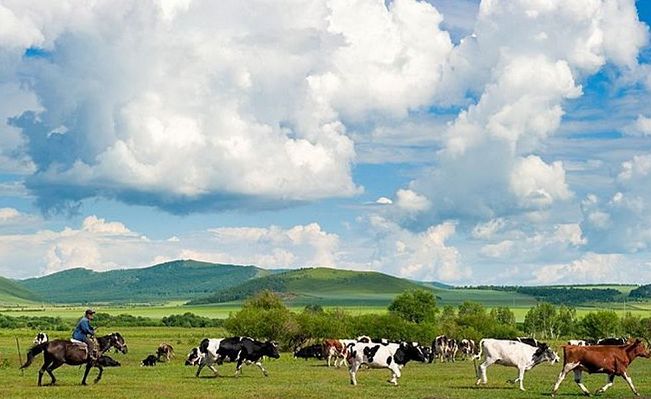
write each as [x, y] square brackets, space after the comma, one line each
[391, 356]
[312, 351]
[452, 349]
[245, 350]
[439, 348]
[528, 340]
[40, 338]
[512, 354]
[467, 347]
[582, 342]
[612, 341]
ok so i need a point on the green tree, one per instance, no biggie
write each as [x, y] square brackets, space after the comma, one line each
[542, 321]
[503, 315]
[566, 321]
[633, 326]
[416, 306]
[600, 324]
[473, 314]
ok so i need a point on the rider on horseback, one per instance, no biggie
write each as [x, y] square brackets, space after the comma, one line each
[85, 333]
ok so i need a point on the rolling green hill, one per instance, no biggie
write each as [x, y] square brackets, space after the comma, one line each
[177, 280]
[12, 293]
[320, 285]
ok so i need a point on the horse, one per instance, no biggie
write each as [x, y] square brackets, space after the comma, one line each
[60, 351]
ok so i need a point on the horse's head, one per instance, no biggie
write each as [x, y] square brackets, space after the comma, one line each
[117, 341]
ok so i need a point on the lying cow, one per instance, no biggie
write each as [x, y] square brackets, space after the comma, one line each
[391, 356]
[164, 351]
[40, 338]
[149, 361]
[107, 361]
[512, 354]
[612, 341]
[312, 351]
[582, 342]
[607, 359]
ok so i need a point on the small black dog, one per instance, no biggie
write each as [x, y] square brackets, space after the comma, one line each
[149, 361]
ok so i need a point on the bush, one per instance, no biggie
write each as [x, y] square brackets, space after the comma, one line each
[190, 320]
[600, 324]
[416, 306]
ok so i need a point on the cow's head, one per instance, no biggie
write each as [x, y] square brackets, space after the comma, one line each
[638, 349]
[271, 349]
[545, 353]
[413, 351]
[194, 357]
[427, 351]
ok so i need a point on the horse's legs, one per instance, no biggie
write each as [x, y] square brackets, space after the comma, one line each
[53, 366]
[88, 367]
[99, 376]
[46, 363]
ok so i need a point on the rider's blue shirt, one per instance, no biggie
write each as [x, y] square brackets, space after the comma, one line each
[83, 329]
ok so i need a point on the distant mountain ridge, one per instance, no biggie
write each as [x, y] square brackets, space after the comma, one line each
[176, 280]
[12, 293]
[320, 286]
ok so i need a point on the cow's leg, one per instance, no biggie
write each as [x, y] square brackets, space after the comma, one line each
[201, 366]
[611, 381]
[577, 378]
[566, 369]
[481, 373]
[264, 371]
[214, 370]
[354, 366]
[395, 373]
[238, 368]
[630, 383]
[521, 378]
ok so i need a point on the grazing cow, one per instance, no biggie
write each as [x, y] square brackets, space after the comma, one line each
[245, 349]
[439, 348]
[607, 359]
[312, 351]
[452, 349]
[149, 361]
[336, 349]
[467, 348]
[164, 351]
[513, 354]
[40, 338]
[612, 341]
[582, 342]
[391, 356]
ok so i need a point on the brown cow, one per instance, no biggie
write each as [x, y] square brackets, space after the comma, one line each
[607, 359]
[164, 351]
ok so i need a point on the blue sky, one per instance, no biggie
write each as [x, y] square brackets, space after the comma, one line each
[503, 142]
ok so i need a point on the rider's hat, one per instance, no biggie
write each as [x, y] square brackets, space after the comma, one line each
[90, 311]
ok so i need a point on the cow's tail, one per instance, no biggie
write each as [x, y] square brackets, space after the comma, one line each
[36, 349]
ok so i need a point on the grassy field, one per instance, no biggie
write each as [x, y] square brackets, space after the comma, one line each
[289, 378]
[522, 305]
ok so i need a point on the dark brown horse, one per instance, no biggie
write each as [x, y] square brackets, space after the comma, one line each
[61, 351]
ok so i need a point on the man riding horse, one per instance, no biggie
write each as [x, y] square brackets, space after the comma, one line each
[84, 332]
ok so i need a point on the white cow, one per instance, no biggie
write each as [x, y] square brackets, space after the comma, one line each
[512, 354]
[40, 338]
[391, 356]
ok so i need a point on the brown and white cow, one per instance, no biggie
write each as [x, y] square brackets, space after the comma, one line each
[164, 351]
[606, 359]
[336, 349]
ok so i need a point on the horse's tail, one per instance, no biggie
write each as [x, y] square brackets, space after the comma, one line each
[36, 349]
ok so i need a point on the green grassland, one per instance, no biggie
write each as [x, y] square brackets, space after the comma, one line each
[11, 293]
[289, 378]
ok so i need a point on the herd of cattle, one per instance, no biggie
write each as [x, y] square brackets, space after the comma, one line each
[611, 356]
